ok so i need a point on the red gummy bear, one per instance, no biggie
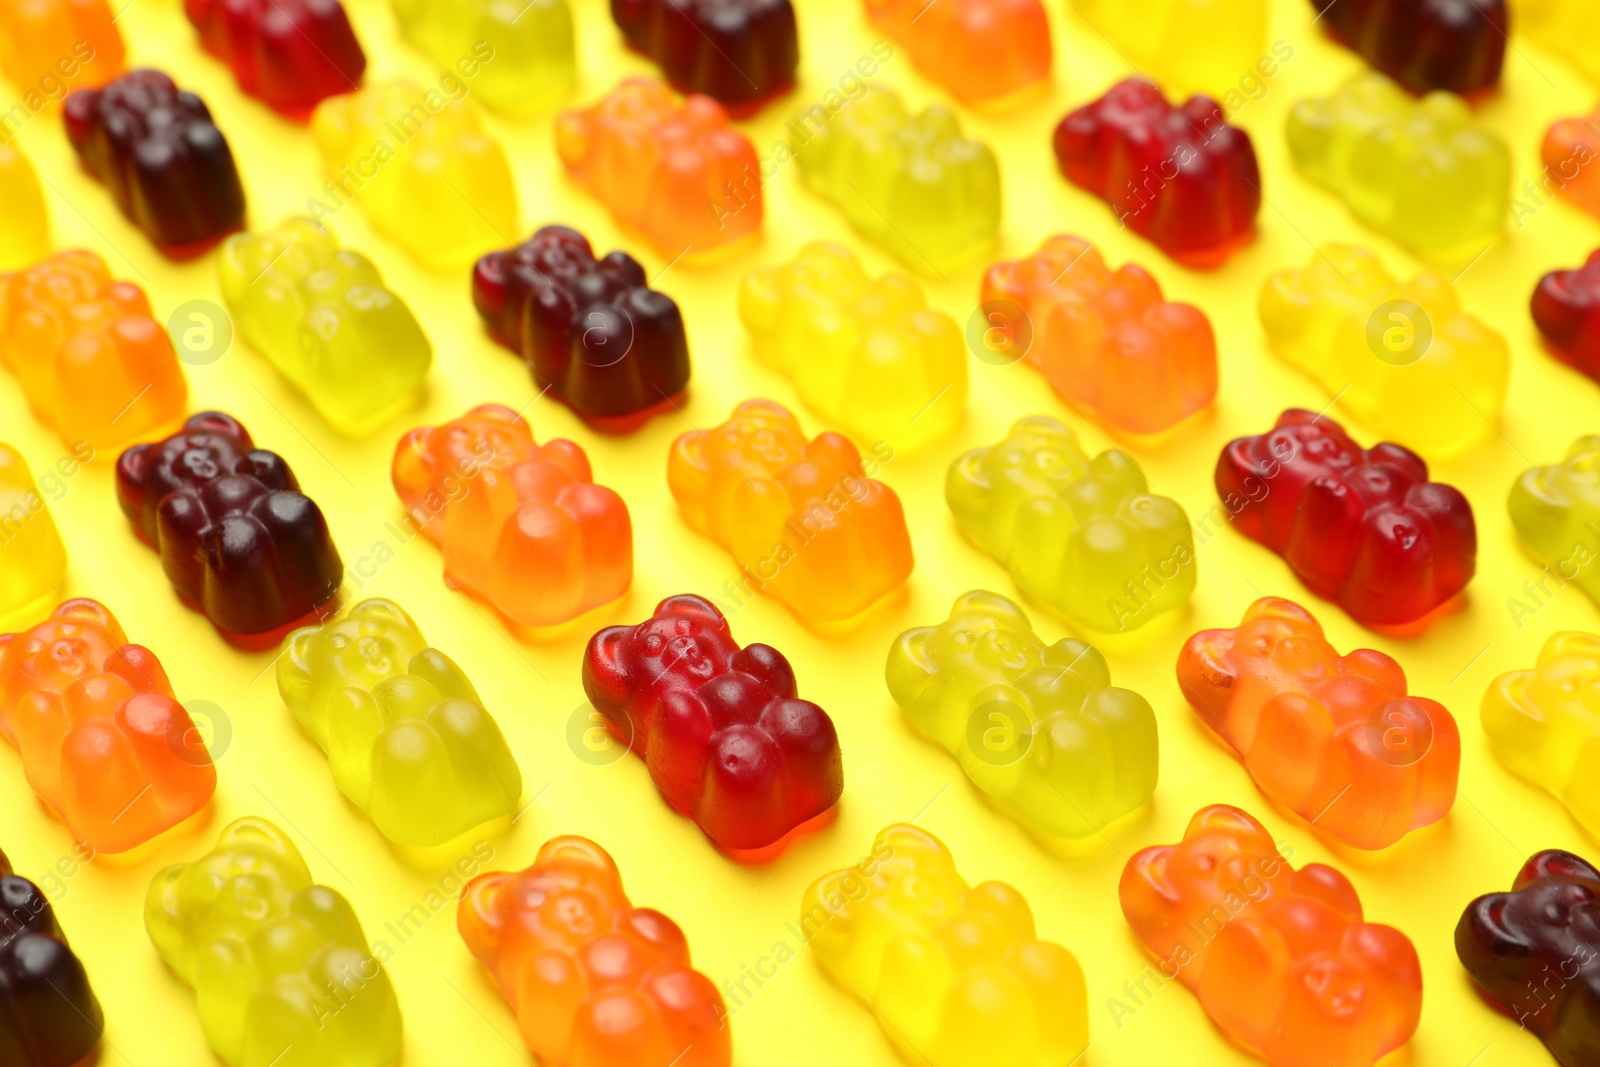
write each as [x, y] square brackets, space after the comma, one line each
[1361, 527]
[1179, 176]
[1566, 308]
[291, 54]
[727, 740]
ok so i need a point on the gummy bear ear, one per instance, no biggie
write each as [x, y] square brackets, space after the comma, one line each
[1570, 643]
[379, 609]
[990, 606]
[96, 614]
[690, 606]
[255, 834]
[218, 422]
[5, 864]
[574, 851]
[1227, 819]
[1556, 866]
[1277, 607]
[294, 666]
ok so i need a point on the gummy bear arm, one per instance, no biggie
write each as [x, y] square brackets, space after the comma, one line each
[1557, 865]
[607, 681]
[1205, 675]
[769, 666]
[140, 667]
[910, 673]
[480, 918]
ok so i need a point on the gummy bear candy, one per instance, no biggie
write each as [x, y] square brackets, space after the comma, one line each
[866, 353]
[592, 331]
[323, 317]
[1105, 339]
[978, 50]
[1038, 727]
[1421, 172]
[802, 518]
[1566, 27]
[407, 737]
[428, 176]
[521, 525]
[33, 562]
[104, 744]
[741, 53]
[518, 59]
[722, 729]
[93, 363]
[237, 538]
[47, 45]
[1281, 959]
[168, 167]
[664, 166]
[1566, 308]
[1404, 358]
[1529, 953]
[1085, 537]
[280, 968]
[1179, 176]
[1555, 510]
[1454, 45]
[593, 980]
[24, 222]
[1363, 527]
[289, 53]
[49, 1016]
[1335, 739]
[1570, 145]
[910, 183]
[955, 973]
[1199, 46]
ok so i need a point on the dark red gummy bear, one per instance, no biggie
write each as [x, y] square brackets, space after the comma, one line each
[49, 1016]
[1361, 527]
[1533, 952]
[1566, 308]
[237, 538]
[1456, 45]
[167, 165]
[741, 52]
[1179, 176]
[726, 739]
[289, 53]
[591, 331]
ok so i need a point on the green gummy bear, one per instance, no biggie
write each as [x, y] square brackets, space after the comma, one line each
[1556, 510]
[517, 56]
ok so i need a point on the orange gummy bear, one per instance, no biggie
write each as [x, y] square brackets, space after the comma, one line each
[103, 742]
[980, 50]
[521, 525]
[1280, 959]
[49, 47]
[595, 982]
[1103, 338]
[93, 363]
[1336, 739]
[1570, 145]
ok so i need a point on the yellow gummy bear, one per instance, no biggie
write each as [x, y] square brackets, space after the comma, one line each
[1568, 28]
[1422, 172]
[33, 562]
[280, 967]
[427, 175]
[1189, 46]
[955, 973]
[1556, 510]
[867, 353]
[515, 57]
[1038, 727]
[407, 738]
[1402, 358]
[24, 223]
[1083, 537]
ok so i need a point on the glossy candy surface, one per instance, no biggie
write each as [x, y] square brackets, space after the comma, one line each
[49, 1016]
[1363, 527]
[24, 221]
[105, 746]
[33, 562]
[594, 981]
[263, 947]
[1336, 739]
[978, 50]
[1566, 308]
[956, 973]
[237, 538]
[521, 525]
[1038, 727]
[803, 518]
[1570, 147]
[1198, 46]
[721, 728]
[289, 53]
[519, 59]
[1085, 537]
[1106, 339]
[1455, 45]
[864, 352]
[45, 44]
[407, 737]
[1556, 510]
[739, 52]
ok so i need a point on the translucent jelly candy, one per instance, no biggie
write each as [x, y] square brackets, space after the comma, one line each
[48, 44]
[956, 973]
[803, 518]
[104, 744]
[865, 352]
[427, 175]
[49, 1016]
[1421, 172]
[521, 525]
[1336, 739]
[1083, 536]
[728, 740]
[1363, 527]
[1108, 340]
[1455, 45]
[1569, 148]
[280, 968]
[1281, 959]
[1038, 727]
[593, 980]
[290, 53]
[407, 738]
[516, 59]
[1196, 45]
[24, 222]
[1566, 27]
[911, 183]
[979, 50]
[322, 316]
[1555, 509]
[672, 169]
[1566, 308]
[1404, 358]
[33, 563]
[739, 52]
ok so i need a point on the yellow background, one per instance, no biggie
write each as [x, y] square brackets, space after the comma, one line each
[734, 916]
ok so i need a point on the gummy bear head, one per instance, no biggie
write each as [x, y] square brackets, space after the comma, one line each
[375, 640]
[1566, 680]
[74, 642]
[1224, 851]
[686, 640]
[1279, 637]
[1552, 909]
